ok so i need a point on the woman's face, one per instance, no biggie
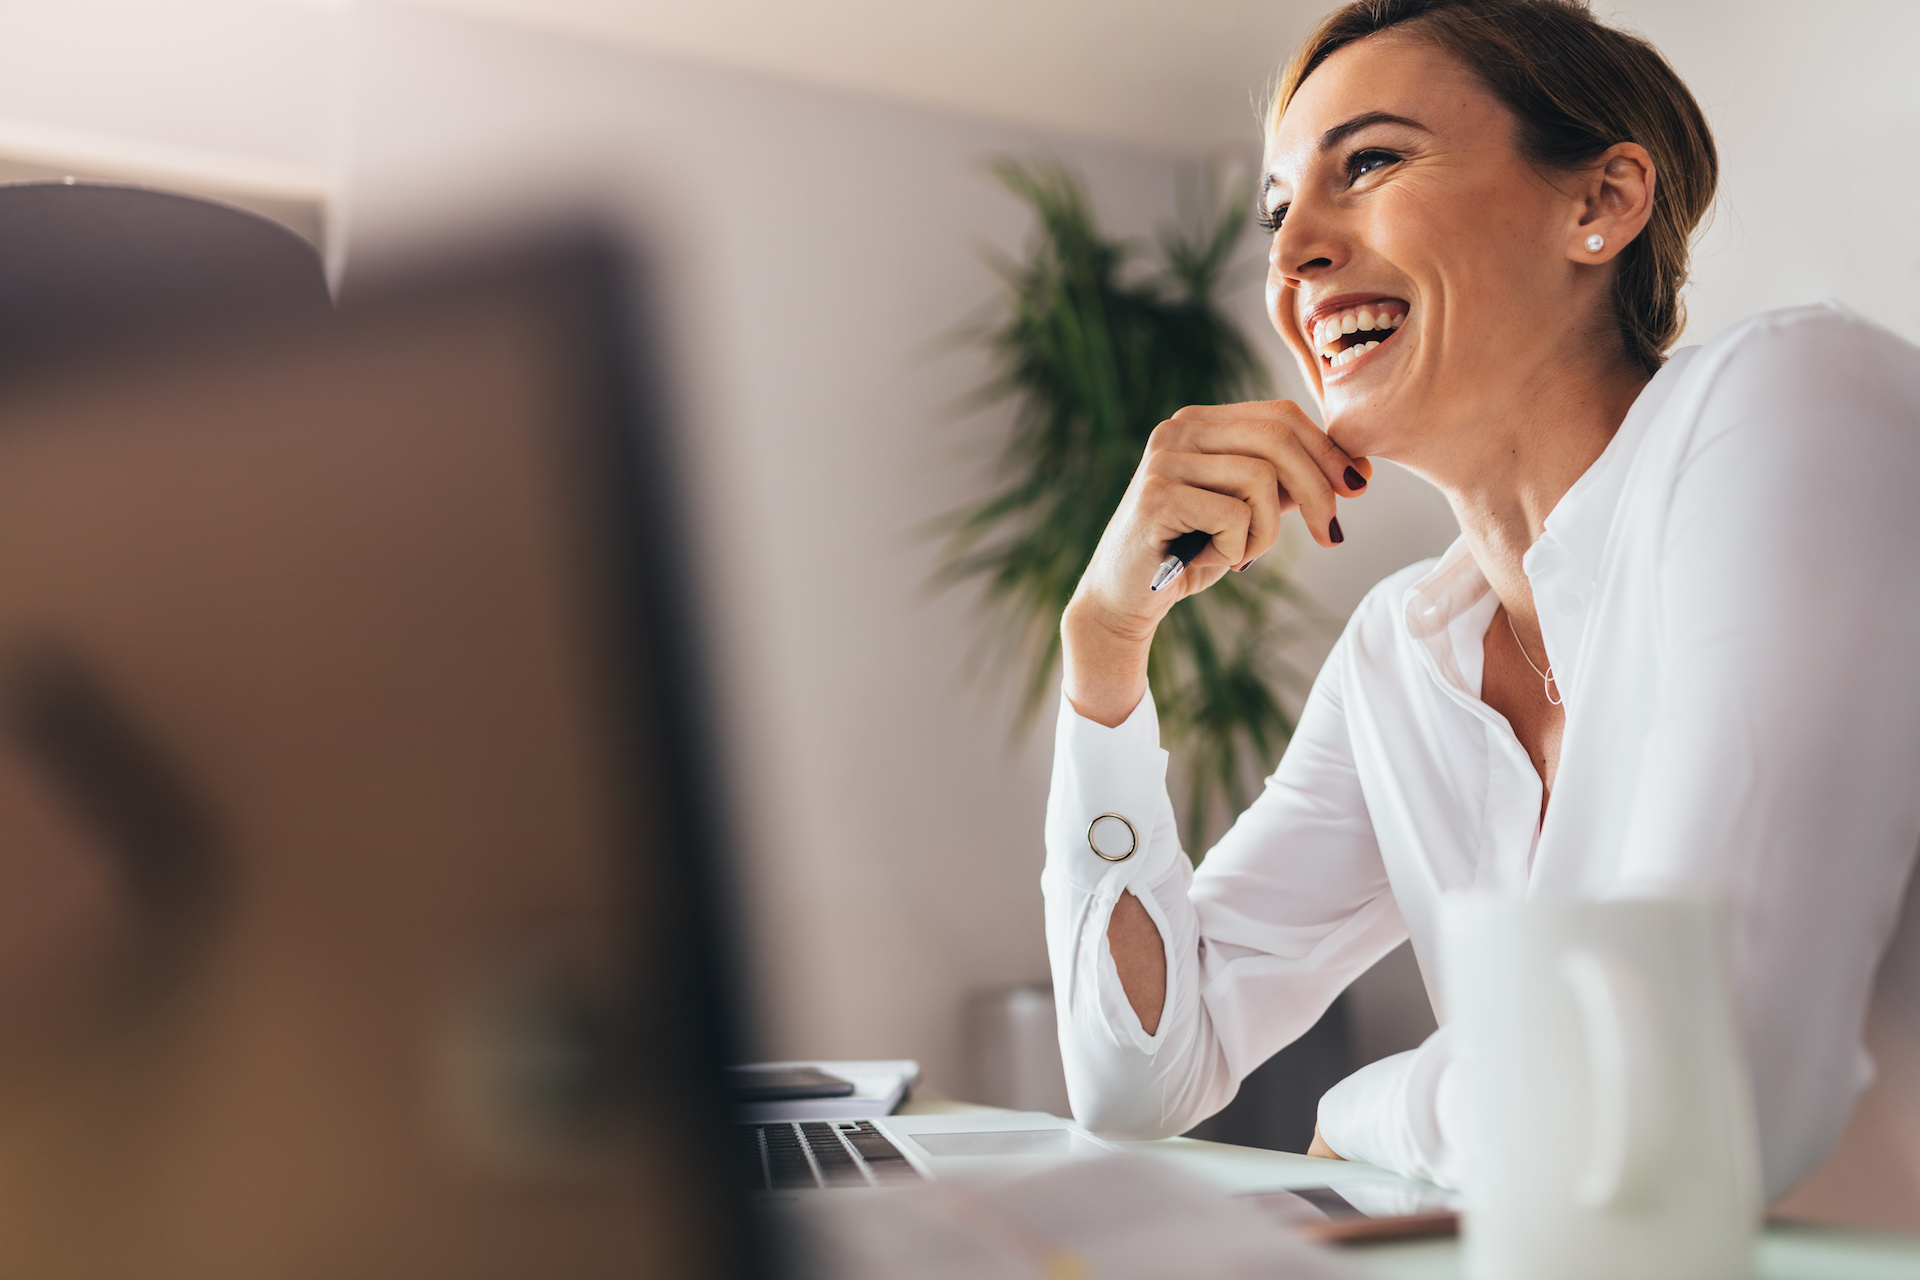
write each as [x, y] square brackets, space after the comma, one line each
[1411, 222]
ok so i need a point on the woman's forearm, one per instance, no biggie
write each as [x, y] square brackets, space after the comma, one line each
[1143, 1048]
[1104, 670]
[1123, 1079]
[1105, 677]
[1140, 956]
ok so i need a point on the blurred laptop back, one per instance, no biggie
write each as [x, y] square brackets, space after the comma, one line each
[353, 903]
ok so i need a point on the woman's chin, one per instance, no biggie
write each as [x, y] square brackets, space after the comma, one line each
[1359, 431]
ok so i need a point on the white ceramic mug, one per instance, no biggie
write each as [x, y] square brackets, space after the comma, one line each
[1607, 1121]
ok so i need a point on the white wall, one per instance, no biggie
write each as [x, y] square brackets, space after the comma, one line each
[1146, 72]
[232, 80]
[1817, 113]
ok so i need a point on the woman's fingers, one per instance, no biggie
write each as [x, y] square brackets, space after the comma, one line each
[1300, 460]
[1234, 428]
[1252, 481]
[1171, 507]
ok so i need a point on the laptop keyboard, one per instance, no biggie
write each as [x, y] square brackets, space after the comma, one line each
[792, 1155]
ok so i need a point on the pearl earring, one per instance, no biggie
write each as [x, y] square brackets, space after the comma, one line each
[1596, 243]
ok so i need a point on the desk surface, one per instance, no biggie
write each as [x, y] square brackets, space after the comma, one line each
[1787, 1252]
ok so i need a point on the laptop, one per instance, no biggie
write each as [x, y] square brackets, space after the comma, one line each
[806, 1126]
[786, 1156]
[361, 910]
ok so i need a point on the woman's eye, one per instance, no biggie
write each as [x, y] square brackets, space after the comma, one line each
[1270, 220]
[1361, 163]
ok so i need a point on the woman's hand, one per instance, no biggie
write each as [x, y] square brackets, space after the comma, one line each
[1231, 470]
[1319, 1147]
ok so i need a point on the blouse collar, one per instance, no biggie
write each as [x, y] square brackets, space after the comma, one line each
[1454, 593]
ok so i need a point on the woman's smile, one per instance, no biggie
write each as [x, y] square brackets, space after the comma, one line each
[1344, 331]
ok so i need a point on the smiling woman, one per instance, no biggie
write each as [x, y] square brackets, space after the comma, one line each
[1641, 669]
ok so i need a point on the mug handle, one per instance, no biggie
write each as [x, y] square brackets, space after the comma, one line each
[1622, 1072]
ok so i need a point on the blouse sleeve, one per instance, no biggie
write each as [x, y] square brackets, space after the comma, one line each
[1287, 909]
[1781, 773]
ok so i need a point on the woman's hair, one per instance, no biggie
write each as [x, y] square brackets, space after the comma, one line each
[1576, 87]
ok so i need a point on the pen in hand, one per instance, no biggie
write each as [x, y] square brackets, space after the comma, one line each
[1180, 553]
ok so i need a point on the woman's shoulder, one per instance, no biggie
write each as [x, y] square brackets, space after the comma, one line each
[1823, 345]
[1789, 372]
[1379, 618]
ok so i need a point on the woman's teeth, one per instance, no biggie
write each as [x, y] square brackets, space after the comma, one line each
[1335, 335]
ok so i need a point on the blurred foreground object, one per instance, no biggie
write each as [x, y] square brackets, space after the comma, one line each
[353, 915]
[87, 268]
[1095, 353]
[1604, 1079]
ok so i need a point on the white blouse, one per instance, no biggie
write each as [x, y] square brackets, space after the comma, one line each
[1730, 598]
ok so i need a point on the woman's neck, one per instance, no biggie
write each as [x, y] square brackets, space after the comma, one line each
[1520, 462]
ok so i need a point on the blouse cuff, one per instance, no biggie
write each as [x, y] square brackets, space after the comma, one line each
[1099, 775]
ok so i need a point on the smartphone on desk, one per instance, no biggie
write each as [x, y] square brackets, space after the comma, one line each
[1361, 1211]
[784, 1084]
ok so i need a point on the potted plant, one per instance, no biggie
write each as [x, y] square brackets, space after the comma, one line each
[1095, 342]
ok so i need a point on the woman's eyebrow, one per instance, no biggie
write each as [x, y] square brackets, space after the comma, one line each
[1334, 136]
[1340, 132]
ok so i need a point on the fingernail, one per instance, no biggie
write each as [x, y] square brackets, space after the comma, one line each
[1248, 565]
[1355, 480]
[1333, 530]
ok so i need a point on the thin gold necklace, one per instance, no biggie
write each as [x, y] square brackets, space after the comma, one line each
[1546, 677]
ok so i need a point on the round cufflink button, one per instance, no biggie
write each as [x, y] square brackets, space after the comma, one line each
[1112, 838]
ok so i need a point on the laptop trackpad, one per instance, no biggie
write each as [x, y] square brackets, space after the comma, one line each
[1010, 1142]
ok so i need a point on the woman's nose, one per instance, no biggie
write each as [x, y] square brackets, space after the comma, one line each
[1307, 245]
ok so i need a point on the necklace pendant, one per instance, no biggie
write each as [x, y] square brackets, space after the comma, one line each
[1546, 677]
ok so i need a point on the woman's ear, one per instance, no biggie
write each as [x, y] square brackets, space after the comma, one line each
[1617, 201]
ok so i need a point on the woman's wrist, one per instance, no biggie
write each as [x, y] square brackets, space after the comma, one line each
[1105, 667]
[1320, 1148]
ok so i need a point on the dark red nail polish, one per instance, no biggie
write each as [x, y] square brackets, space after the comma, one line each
[1333, 530]
[1355, 480]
